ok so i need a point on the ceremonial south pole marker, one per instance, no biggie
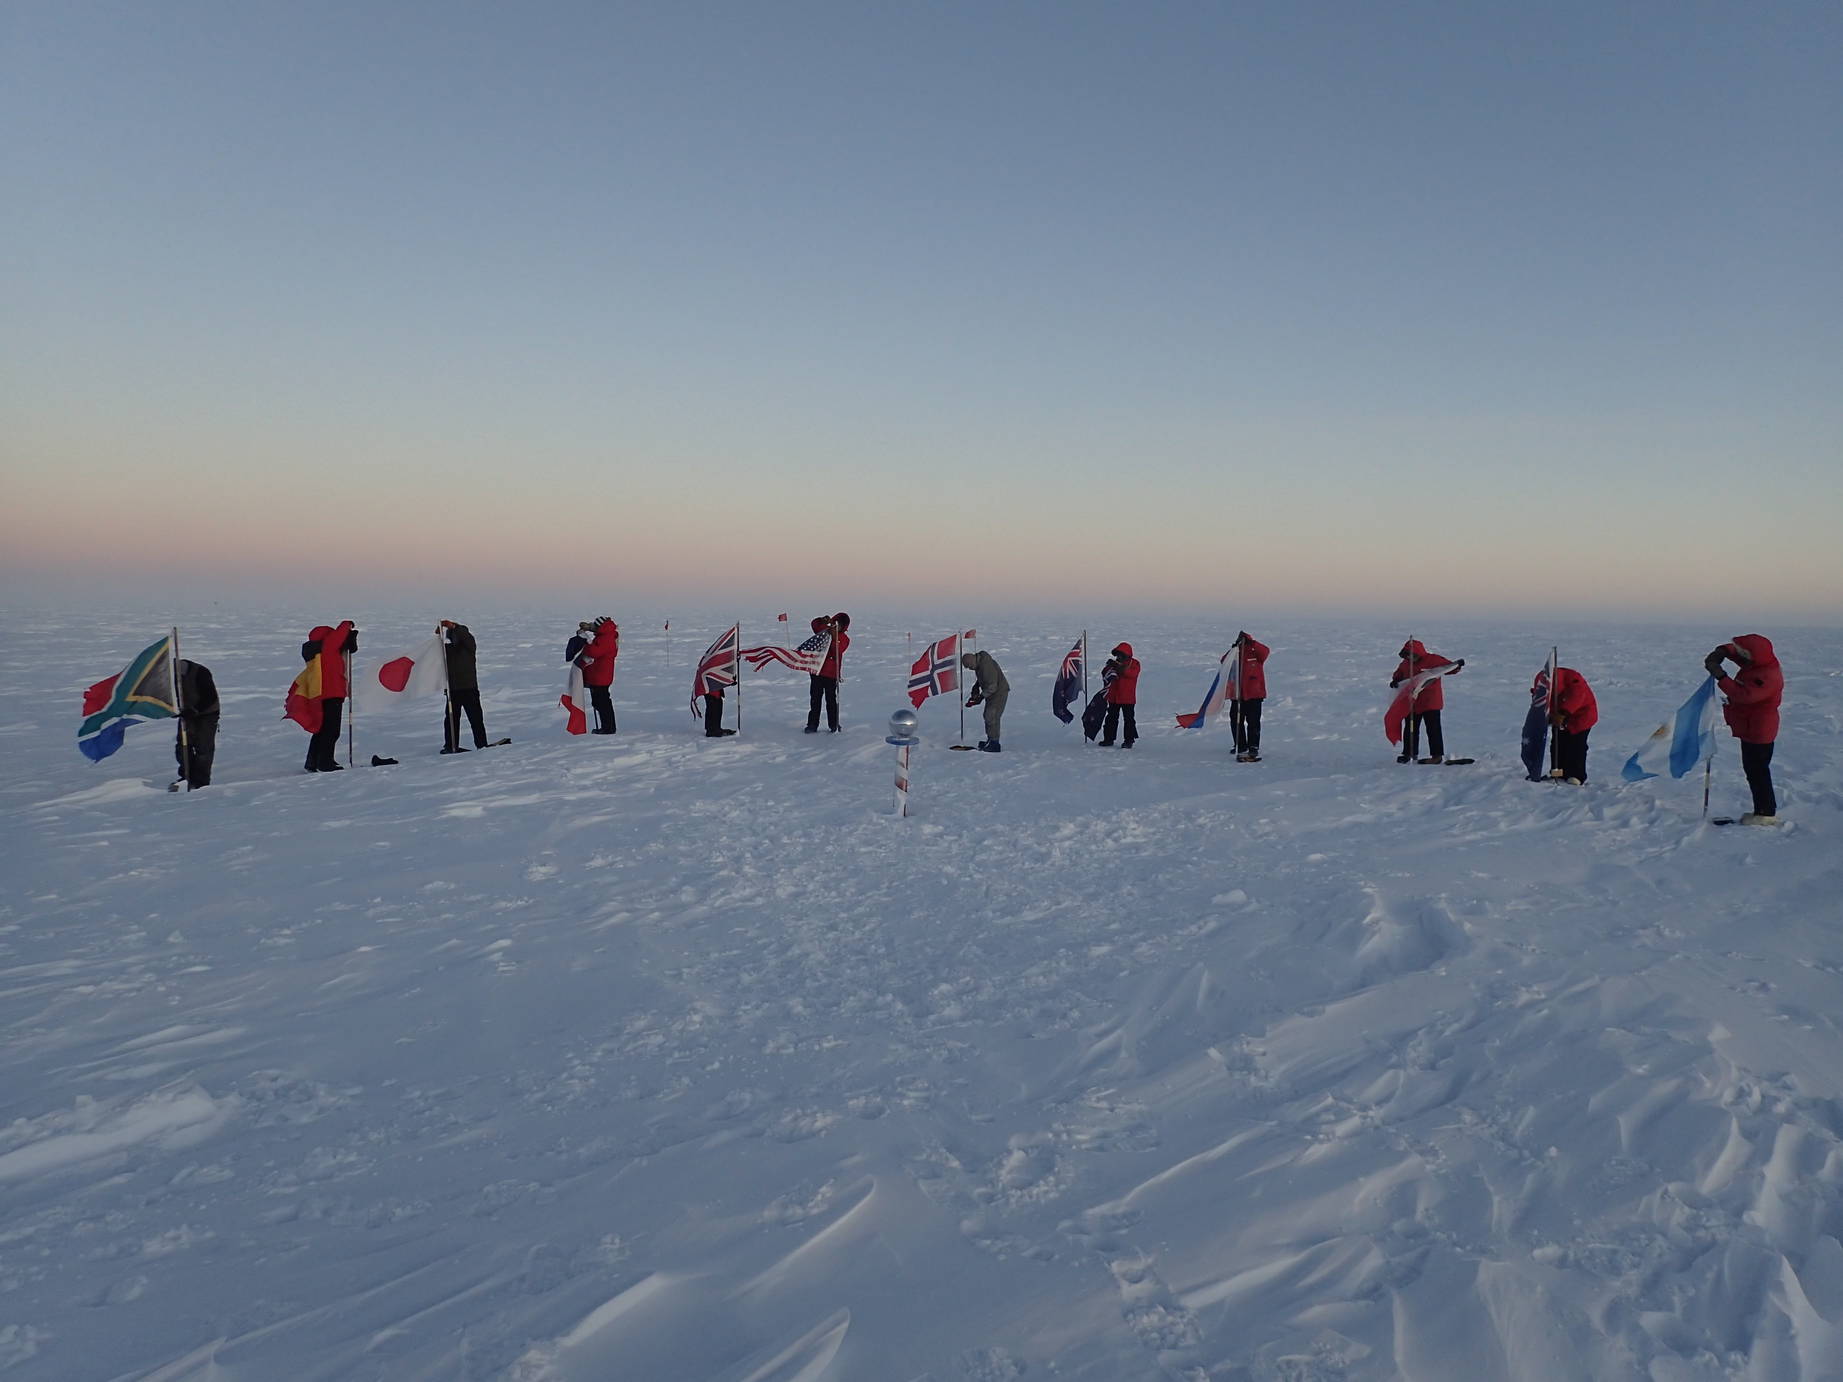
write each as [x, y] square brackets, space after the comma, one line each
[902, 735]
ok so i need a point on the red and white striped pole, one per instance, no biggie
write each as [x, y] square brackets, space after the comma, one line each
[902, 735]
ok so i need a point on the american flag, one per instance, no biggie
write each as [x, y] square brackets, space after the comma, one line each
[718, 668]
[809, 657]
[936, 671]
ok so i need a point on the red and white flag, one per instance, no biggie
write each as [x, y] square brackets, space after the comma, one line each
[781, 620]
[936, 671]
[575, 702]
[809, 657]
[422, 671]
[1400, 708]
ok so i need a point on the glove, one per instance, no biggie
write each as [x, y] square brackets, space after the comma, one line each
[1457, 665]
[1395, 683]
[351, 643]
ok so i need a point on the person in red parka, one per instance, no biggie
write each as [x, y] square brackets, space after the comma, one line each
[823, 684]
[334, 648]
[1122, 696]
[1573, 712]
[1753, 694]
[1251, 686]
[1428, 702]
[597, 663]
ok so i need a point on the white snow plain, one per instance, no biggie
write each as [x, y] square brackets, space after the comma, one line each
[662, 1058]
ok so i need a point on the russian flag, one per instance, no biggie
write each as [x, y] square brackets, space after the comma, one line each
[1681, 742]
[1221, 690]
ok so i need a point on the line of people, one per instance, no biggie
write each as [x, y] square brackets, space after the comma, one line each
[1752, 695]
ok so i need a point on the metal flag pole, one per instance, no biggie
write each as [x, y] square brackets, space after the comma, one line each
[351, 708]
[736, 666]
[959, 647]
[185, 744]
[1084, 669]
[1708, 770]
[1555, 769]
[1411, 731]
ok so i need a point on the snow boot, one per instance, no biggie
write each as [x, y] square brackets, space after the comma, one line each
[812, 729]
[1433, 758]
[1404, 758]
[1755, 818]
[988, 746]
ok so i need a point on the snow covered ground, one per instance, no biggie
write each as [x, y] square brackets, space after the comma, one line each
[662, 1058]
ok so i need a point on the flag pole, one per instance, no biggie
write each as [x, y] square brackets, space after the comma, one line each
[351, 706]
[185, 745]
[1084, 669]
[959, 648]
[1708, 770]
[1554, 728]
[737, 666]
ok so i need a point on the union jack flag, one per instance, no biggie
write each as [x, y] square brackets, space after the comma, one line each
[1069, 680]
[718, 668]
[936, 671]
[809, 657]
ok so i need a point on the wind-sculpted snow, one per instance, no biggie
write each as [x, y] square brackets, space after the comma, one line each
[656, 1057]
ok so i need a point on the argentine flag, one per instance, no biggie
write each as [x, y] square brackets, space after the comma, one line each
[1681, 742]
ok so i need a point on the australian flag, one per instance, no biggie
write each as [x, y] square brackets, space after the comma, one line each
[936, 671]
[1069, 680]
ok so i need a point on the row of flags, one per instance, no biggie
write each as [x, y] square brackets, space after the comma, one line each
[148, 689]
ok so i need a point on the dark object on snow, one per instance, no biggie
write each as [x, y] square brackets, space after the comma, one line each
[197, 744]
[378, 762]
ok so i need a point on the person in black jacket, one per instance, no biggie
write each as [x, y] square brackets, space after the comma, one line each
[197, 741]
[463, 687]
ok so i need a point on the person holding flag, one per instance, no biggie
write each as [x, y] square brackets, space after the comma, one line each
[991, 690]
[196, 744]
[597, 662]
[1250, 692]
[720, 666]
[316, 700]
[1753, 695]
[1427, 699]
[459, 654]
[1122, 692]
[1573, 712]
[823, 688]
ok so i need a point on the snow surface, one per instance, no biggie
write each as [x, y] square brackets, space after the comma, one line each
[665, 1058]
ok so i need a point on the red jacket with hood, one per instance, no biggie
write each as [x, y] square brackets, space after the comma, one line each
[1415, 658]
[1124, 689]
[598, 658]
[333, 662]
[1752, 711]
[1254, 671]
[834, 663]
[1576, 711]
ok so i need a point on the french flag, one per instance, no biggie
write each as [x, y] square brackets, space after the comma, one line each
[423, 671]
[575, 703]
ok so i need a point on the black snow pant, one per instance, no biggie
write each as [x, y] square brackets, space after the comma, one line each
[460, 702]
[1116, 713]
[713, 715]
[824, 691]
[1436, 741]
[1246, 716]
[1757, 763]
[603, 701]
[1571, 754]
[323, 748]
[197, 749]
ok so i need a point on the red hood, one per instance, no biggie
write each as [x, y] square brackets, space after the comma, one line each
[320, 634]
[1413, 648]
[819, 625]
[1759, 649]
[1126, 648]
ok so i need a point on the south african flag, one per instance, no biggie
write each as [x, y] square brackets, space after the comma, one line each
[143, 690]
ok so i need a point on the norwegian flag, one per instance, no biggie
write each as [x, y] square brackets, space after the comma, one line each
[809, 657]
[720, 666]
[936, 671]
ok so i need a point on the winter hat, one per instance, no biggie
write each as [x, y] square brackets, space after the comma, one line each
[819, 623]
[842, 619]
[1123, 650]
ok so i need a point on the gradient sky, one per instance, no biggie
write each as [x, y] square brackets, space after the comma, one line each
[1456, 306]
